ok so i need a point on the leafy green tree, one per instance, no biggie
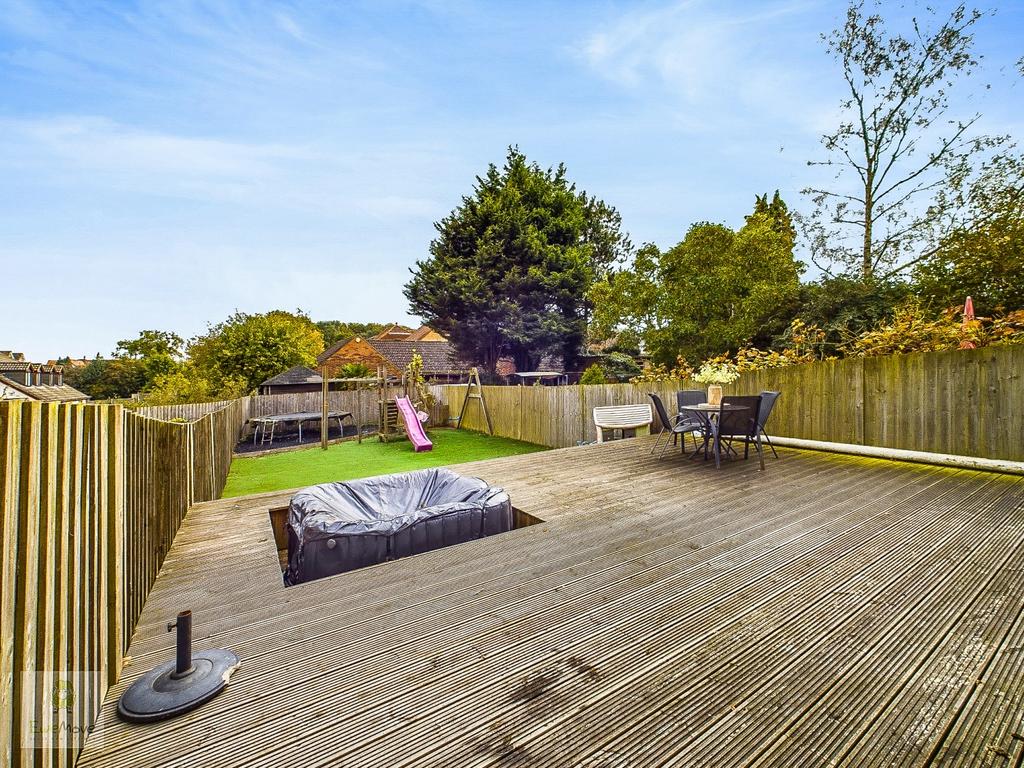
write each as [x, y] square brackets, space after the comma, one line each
[108, 379]
[157, 352]
[336, 330]
[510, 269]
[252, 348]
[151, 344]
[844, 307]
[187, 384]
[628, 304]
[714, 292]
[621, 366]
[354, 371]
[982, 256]
[777, 212]
[897, 144]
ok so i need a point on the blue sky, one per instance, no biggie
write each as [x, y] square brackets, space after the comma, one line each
[163, 164]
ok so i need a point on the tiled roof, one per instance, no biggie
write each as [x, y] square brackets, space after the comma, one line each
[46, 393]
[419, 333]
[393, 332]
[438, 356]
[324, 356]
[300, 374]
[20, 365]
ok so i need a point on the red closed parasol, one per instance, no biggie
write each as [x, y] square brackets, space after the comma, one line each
[967, 325]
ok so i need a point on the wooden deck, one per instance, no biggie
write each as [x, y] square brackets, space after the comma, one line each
[830, 611]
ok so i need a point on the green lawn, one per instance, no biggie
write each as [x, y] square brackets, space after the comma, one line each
[347, 461]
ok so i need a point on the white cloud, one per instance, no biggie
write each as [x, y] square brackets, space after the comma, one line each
[97, 143]
[699, 54]
[93, 152]
[289, 25]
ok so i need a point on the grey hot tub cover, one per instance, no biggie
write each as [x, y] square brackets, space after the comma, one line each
[336, 527]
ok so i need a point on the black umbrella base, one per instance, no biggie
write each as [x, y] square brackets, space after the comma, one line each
[162, 693]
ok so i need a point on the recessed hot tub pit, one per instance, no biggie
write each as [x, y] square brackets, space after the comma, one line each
[336, 527]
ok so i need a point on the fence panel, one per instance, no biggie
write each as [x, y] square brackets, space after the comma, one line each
[966, 402]
[91, 497]
[361, 404]
[182, 411]
[61, 596]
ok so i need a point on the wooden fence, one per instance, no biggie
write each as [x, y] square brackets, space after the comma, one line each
[362, 405]
[181, 411]
[965, 402]
[90, 499]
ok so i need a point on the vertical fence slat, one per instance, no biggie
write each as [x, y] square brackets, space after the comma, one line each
[10, 490]
[26, 574]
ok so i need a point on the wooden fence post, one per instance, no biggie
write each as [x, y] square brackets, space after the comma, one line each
[115, 544]
[10, 490]
[582, 394]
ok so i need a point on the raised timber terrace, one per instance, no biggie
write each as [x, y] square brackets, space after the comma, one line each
[831, 610]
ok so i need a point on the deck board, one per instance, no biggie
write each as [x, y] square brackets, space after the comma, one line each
[830, 610]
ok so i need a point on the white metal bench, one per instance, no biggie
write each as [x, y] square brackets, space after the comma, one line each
[612, 417]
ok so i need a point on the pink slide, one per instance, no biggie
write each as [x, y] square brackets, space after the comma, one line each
[413, 427]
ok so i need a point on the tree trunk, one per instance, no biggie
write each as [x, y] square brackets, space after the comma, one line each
[491, 358]
[522, 359]
[867, 263]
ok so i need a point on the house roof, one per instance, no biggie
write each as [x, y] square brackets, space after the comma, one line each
[421, 332]
[299, 374]
[393, 332]
[324, 356]
[46, 393]
[438, 356]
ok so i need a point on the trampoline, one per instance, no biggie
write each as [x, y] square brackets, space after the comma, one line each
[262, 423]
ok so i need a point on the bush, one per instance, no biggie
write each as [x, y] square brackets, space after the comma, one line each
[621, 366]
[656, 373]
[594, 375]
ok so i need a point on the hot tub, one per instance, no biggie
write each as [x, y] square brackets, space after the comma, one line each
[337, 527]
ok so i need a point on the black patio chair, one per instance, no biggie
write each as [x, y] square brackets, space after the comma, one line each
[670, 426]
[738, 425]
[685, 397]
[690, 397]
[768, 399]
